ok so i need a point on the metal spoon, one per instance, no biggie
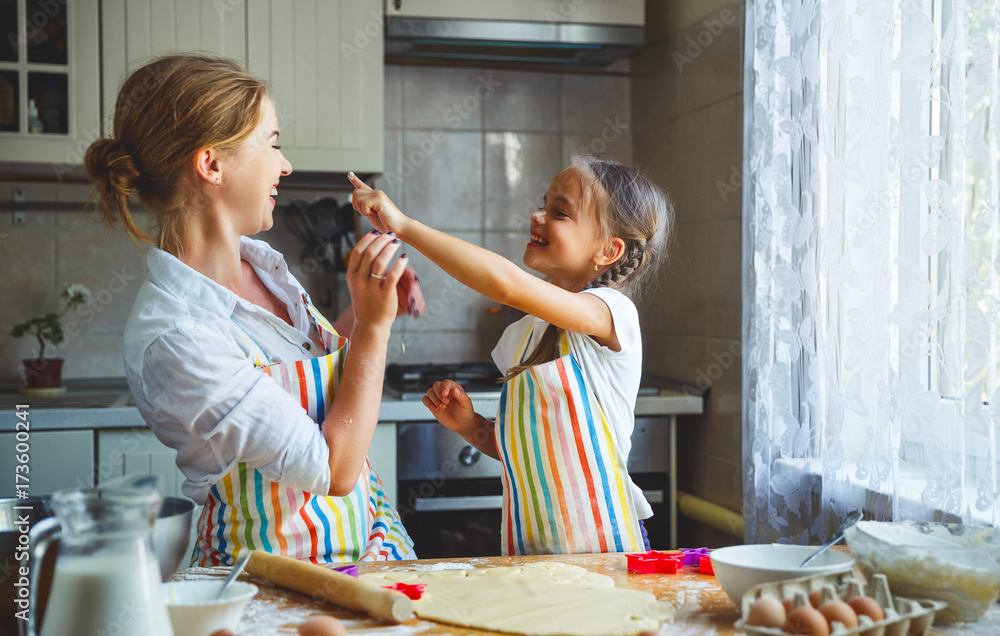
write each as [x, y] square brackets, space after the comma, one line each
[241, 562]
[852, 518]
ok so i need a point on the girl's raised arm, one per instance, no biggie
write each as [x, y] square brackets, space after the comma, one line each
[488, 273]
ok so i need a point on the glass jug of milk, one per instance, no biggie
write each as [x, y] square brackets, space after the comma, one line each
[107, 577]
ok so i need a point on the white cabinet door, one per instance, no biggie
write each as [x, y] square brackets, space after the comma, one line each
[135, 31]
[129, 451]
[382, 456]
[323, 60]
[65, 92]
[57, 460]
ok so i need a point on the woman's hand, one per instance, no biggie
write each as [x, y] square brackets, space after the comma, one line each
[376, 205]
[372, 283]
[411, 299]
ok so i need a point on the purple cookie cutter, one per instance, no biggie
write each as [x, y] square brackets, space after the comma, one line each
[692, 556]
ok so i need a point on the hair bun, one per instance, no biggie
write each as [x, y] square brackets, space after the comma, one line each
[110, 163]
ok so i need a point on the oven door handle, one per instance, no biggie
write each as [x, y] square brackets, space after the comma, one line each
[432, 504]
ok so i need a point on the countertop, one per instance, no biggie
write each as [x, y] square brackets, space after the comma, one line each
[107, 403]
[700, 605]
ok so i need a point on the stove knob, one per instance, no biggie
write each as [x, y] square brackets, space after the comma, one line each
[468, 456]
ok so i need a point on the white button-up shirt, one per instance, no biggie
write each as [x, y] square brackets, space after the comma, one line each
[191, 371]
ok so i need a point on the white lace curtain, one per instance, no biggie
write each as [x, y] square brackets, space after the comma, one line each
[872, 264]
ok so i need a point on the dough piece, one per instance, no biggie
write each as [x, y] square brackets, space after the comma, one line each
[537, 599]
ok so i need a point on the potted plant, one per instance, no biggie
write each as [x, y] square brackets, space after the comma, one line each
[42, 372]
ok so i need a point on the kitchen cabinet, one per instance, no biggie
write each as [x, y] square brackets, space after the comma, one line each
[49, 81]
[134, 31]
[382, 457]
[321, 58]
[58, 460]
[128, 451]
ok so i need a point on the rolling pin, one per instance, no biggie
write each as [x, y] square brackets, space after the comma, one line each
[331, 586]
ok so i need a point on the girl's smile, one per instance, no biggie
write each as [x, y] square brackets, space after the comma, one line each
[564, 234]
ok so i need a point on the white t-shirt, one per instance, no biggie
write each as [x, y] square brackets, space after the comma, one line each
[191, 372]
[613, 375]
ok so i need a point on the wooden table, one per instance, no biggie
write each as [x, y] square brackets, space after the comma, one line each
[700, 604]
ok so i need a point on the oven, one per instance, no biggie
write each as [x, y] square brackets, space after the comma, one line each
[449, 493]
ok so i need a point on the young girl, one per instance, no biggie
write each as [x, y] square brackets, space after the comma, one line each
[572, 366]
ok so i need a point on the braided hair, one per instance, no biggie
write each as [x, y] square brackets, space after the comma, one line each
[630, 207]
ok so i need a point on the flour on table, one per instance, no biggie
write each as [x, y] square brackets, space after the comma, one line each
[434, 567]
[537, 599]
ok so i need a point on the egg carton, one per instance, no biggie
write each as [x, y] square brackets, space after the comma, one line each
[903, 616]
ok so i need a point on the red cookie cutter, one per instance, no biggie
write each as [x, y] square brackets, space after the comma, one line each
[414, 591]
[705, 564]
[654, 562]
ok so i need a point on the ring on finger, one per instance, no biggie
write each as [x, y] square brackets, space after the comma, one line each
[378, 276]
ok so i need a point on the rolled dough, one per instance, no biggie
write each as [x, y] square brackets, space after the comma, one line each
[537, 599]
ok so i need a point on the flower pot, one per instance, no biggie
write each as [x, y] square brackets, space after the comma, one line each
[43, 373]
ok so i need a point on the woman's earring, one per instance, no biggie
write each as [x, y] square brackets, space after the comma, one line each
[595, 268]
[218, 182]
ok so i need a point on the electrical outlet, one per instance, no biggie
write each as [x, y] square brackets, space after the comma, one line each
[18, 217]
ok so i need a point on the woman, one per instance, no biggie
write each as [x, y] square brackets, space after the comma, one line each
[229, 362]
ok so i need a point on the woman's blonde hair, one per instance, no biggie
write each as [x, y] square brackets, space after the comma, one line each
[165, 113]
[630, 207]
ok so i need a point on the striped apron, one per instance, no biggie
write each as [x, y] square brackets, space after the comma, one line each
[565, 483]
[246, 510]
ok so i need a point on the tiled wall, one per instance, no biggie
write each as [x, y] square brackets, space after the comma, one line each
[687, 108]
[468, 151]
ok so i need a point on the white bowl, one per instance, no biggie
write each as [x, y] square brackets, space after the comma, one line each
[740, 567]
[193, 613]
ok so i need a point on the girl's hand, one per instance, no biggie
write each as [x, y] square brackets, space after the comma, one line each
[375, 204]
[451, 406]
[372, 283]
[411, 299]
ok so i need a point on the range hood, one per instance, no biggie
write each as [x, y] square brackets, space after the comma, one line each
[564, 34]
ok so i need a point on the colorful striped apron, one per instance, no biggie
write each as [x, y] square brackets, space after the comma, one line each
[246, 510]
[565, 482]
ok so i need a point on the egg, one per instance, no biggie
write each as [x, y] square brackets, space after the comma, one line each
[840, 612]
[322, 625]
[767, 612]
[815, 597]
[787, 604]
[866, 606]
[807, 620]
